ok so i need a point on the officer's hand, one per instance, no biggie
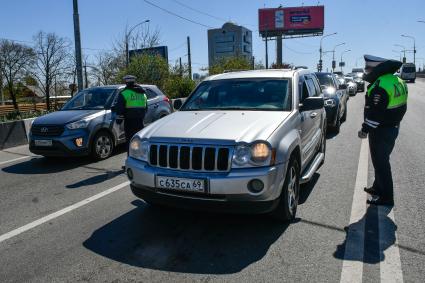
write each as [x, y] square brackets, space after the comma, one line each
[362, 134]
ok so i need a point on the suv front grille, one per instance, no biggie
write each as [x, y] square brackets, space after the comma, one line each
[205, 158]
[47, 130]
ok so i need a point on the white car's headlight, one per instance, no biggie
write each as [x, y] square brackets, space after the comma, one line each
[255, 154]
[139, 149]
[78, 125]
[330, 103]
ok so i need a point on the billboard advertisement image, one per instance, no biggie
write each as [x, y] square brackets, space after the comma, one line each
[290, 21]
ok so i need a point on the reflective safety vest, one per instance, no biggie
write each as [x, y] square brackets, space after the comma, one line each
[134, 99]
[395, 87]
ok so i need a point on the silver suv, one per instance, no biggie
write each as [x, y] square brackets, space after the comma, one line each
[242, 142]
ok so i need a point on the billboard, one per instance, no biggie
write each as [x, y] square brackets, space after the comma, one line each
[291, 21]
[158, 50]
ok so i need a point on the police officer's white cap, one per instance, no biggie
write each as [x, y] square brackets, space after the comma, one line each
[129, 79]
[373, 61]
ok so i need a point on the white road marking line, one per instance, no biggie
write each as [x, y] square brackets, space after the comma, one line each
[391, 264]
[56, 214]
[352, 266]
[13, 160]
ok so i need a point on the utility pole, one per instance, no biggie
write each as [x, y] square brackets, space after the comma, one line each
[85, 76]
[414, 47]
[181, 67]
[189, 58]
[320, 65]
[77, 39]
[1, 84]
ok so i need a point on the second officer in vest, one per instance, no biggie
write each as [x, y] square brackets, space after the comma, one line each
[131, 106]
[386, 104]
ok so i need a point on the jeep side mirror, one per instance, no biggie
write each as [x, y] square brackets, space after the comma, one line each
[177, 104]
[312, 103]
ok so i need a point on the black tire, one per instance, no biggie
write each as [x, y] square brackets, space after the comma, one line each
[336, 128]
[102, 146]
[286, 210]
[344, 116]
[412, 81]
[322, 148]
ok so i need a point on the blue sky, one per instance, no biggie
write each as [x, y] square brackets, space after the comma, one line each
[371, 27]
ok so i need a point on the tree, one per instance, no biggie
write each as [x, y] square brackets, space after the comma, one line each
[107, 67]
[230, 63]
[149, 69]
[178, 83]
[15, 59]
[53, 61]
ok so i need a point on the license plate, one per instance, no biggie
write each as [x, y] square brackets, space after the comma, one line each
[180, 184]
[43, 142]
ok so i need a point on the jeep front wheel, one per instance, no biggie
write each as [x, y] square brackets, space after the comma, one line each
[288, 203]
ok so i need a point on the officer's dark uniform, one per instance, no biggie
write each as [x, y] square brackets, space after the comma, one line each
[385, 106]
[131, 105]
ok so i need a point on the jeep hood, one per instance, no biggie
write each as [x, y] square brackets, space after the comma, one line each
[236, 126]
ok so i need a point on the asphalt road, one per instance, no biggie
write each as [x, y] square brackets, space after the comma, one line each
[72, 220]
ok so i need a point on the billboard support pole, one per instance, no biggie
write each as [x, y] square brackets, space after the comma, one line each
[279, 50]
[267, 53]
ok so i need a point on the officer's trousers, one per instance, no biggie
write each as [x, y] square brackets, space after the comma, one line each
[381, 144]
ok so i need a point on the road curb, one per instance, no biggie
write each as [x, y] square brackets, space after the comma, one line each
[14, 133]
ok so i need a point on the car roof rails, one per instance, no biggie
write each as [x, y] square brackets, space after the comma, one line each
[235, 70]
[299, 67]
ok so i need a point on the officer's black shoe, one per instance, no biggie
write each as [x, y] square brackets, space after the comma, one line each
[371, 191]
[377, 200]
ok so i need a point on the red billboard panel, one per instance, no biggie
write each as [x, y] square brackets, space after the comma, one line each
[291, 21]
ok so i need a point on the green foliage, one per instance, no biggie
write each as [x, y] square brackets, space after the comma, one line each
[177, 86]
[147, 68]
[230, 63]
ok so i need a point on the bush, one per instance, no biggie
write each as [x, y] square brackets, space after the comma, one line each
[15, 116]
[177, 86]
[230, 63]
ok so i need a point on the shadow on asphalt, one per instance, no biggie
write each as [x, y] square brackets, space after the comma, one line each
[306, 189]
[183, 241]
[96, 179]
[372, 252]
[43, 165]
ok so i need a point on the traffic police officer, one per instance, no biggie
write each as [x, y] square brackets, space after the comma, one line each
[386, 104]
[131, 106]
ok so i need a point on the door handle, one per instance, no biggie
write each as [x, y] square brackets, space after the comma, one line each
[313, 115]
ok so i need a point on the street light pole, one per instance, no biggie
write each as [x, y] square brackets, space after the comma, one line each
[333, 56]
[404, 51]
[348, 50]
[414, 47]
[320, 51]
[127, 36]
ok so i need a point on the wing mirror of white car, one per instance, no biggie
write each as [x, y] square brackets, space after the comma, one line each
[312, 103]
[177, 104]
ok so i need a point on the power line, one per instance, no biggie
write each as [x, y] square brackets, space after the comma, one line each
[200, 12]
[176, 15]
[178, 47]
[296, 51]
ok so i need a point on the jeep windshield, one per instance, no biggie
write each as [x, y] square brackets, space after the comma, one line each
[265, 94]
[90, 99]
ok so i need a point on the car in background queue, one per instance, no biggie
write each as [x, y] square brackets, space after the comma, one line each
[357, 74]
[87, 125]
[352, 86]
[335, 95]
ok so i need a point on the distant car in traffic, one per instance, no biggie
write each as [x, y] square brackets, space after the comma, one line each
[352, 86]
[408, 72]
[335, 95]
[358, 79]
[87, 124]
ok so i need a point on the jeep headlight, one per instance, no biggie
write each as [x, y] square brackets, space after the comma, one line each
[139, 149]
[82, 124]
[255, 154]
[330, 103]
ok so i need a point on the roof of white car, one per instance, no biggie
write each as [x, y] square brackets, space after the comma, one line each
[269, 73]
